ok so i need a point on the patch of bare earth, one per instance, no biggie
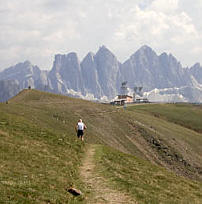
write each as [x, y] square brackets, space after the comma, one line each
[174, 155]
[100, 191]
[3, 133]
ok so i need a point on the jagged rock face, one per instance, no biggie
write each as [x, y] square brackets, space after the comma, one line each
[101, 74]
[193, 94]
[139, 70]
[172, 72]
[108, 69]
[97, 74]
[196, 71]
[90, 75]
[22, 75]
[66, 74]
[25, 73]
[42, 83]
[9, 88]
[145, 68]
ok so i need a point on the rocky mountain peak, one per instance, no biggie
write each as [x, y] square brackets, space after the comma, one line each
[104, 51]
[59, 57]
[72, 60]
[27, 63]
[90, 55]
[18, 70]
[197, 65]
[88, 59]
[65, 61]
[58, 62]
[163, 55]
[145, 50]
[168, 59]
[196, 71]
[100, 75]
[72, 55]
[172, 57]
[144, 53]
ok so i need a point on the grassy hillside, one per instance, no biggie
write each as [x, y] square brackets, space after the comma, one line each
[145, 182]
[40, 154]
[187, 115]
[176, 144]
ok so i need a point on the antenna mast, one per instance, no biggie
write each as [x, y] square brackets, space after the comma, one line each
[124, 88]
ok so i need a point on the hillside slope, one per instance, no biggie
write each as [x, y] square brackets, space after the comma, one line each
[173, 132]
[41, 155]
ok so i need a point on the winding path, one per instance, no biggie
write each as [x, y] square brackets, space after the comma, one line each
[100, 191]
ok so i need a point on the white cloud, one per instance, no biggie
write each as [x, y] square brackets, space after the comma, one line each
[164, 5]
[36, 30]
[163, 30]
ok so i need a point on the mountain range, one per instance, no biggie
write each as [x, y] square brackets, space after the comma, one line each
[99, 76]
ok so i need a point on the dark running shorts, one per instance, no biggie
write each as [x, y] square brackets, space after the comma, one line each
[80, 133]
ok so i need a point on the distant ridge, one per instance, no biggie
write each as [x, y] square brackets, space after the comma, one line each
[99, 76]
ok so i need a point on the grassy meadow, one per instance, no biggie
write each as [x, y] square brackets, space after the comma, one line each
[145, 182]
[176, 142]
[39, 152]
[187, 115]
[141, 150]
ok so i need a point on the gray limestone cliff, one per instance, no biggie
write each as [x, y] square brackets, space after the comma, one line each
[146, 68]
[196, 71]
[8, 89]
[100, 75]
[66, 74]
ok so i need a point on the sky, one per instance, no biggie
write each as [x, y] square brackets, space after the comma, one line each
[36, 30]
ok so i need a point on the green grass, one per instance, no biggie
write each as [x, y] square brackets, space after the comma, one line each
[176, 138]
[187, 115]
[146, 183]
[40, 152]
[41, 156]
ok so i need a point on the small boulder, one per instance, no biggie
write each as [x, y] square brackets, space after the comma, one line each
[74, 191]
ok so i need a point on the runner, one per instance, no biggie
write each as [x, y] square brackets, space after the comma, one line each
[80, 129]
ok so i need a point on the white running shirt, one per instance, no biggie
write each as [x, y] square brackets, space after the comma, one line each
[80, 126]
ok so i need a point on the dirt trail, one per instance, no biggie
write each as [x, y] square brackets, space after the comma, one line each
[99, 189]
[3, 133]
